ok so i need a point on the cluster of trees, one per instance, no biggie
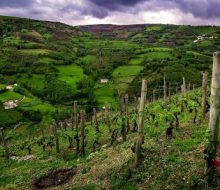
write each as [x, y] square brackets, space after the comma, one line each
[57, 91]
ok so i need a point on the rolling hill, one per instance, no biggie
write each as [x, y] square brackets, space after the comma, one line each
[45, 67]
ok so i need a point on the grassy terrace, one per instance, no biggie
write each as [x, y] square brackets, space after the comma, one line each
[124, 75]
[70, 74]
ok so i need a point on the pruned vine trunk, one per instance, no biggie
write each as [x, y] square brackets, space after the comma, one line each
[57, 144]
[82, 133]
[96, 120]
[123, 117]
[107, 119]
[126, 112]
[76, 118]
[4, 143]
[164, 89]
[204, 92]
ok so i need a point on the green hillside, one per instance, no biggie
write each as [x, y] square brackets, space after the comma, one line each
[47, 66]
[175, 163]
[35, 52]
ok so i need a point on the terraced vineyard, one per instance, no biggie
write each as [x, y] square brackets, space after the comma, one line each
[63, 118]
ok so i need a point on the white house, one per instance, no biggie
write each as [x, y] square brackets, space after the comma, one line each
[11, 87]
[10, 104]
[104, 81]
[200, 38]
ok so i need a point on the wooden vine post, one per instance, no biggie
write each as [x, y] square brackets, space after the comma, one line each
[210, 152]
[55, 123]
[176, 90]
[4, 143]
[96, 120]
[107, 118]
[75, 114]
[126, 104]
[154, 96]
[169, 89]
[204, 92]
[123, 117]
[184, 87]
[189, 86]
[82, 133]
[126, 110]
[164, 89]
[103, 116]
[76, 126]
[193, 87]
[140, 138]
[43, 140]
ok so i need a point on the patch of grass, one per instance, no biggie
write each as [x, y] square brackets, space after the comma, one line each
[34, 51]
[88, 59]
[136, 61]
[124, 75]
[46, 60]
[11, 116]
[9, 95]
[154, 28]
[71, 74]
[198, 54]
[36, 81]
[205, 43]
[2, 86]
[12, 40]
[203, 30]
[126, 71]
[43, 107]
[105, 93]
[157, 55]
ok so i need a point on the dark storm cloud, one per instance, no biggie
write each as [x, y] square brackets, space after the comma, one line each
[15, 3]
[115, 4]
[100, 9]
[199, 8]
[88, 9]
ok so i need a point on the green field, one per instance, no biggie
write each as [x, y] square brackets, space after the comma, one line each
[124, 75]
[105, 94]
[36, 81]
[70, 74]
[157, 55]
[136, 61]
[10, 95]
[127, 71]
[34, 51]
[153, 28]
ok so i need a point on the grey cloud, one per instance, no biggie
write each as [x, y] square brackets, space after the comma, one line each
[16, 3]
[199, 8]
[202, 9]
[115, 4]
[87, 9]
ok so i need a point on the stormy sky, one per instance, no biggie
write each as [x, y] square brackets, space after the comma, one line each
[81, 12]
